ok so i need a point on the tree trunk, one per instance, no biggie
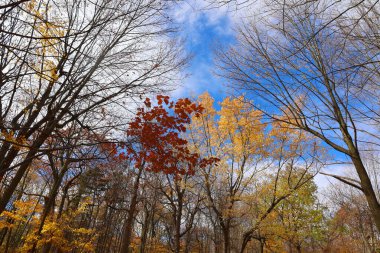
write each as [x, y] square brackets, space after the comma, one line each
[367, 187]
[246, 239]
[128, 227]
[365, 181]
[50, 201]
[128, 230]
[226, 237]
[299, 249]
[261, 245]
[145, 230]
[177, 219]
[8, 241]
[62, 204]
[8, 192]
[177, 240]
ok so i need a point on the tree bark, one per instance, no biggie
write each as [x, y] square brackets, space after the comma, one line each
[128, 227]
[226, 237]
[145, 230]
[50, 201]
[178, 217]
[368, 190]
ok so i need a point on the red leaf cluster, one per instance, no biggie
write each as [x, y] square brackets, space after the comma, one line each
[156, 133]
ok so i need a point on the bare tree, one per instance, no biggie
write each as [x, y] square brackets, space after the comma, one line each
[180, 203]
[353, 212]
[73, 61]
[305, 65]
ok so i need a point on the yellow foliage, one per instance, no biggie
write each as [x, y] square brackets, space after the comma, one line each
[22, 211]
[55, 232]
[82, 239]
[242, 128]
[236, 130]
[252, 154]
[50, 31]
[10, 136]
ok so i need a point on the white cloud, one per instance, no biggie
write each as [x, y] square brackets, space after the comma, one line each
[325, 183]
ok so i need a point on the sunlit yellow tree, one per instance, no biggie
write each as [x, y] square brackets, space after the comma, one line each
[249, 150]
[296, 223]
[237, 136]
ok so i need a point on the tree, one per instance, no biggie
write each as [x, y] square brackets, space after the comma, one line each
[74, 61]
[351, 224]
[314, 76]
[158, 147]
[300, 219]
[239, 140]
[180, 204]
[248, 148]
[295, 158]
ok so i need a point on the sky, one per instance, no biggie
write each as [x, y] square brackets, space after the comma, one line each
[202, 30]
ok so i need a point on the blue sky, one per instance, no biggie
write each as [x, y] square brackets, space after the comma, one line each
[202, 30]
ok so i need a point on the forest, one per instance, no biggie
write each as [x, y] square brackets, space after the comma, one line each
[107, 147]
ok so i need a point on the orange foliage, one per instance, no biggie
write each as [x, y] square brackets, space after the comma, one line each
[156, 132]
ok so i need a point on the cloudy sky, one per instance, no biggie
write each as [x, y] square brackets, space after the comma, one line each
[203, 30]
